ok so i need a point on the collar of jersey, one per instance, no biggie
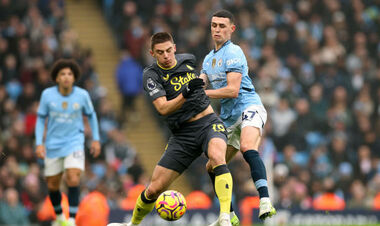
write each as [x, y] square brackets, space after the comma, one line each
[224, 44]
[72, 91]
[168, 67]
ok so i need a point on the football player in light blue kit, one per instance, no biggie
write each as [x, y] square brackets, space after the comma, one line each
[225, 69]
[63, 106]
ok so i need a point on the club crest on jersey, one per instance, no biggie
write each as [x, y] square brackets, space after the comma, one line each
[64, 105]
[213, 63]
[220, 61]
[151, 84]
[190, 67]
[75, 106]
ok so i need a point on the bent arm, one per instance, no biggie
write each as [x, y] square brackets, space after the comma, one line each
[165, 107]
[205, 79]
[229, 91]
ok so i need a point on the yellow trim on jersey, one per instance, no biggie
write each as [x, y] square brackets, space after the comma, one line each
[168, 67]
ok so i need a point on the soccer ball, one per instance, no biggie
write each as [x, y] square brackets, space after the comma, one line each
[171, 205]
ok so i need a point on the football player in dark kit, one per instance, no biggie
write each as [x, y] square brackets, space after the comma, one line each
[177, 93]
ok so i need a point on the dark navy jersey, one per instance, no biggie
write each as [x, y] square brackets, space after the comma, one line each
[170, 82]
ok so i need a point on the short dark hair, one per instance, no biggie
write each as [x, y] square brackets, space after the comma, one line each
[65, 63]
[160, 37]
[225, 14]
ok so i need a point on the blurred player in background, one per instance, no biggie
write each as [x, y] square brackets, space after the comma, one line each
[63, 106]
[177, 93]
[242, 112]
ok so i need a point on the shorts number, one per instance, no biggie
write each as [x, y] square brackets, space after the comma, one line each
[248, 115]
[218, 127]
[78, 155]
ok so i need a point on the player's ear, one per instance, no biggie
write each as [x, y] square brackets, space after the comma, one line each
[174, 48]
[151, 53]
[233, 27]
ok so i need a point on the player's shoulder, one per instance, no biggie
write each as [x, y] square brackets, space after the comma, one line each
[50, 91]
[150, 70]
[185, 58]
[207, 57]
[233, 48]
[80, 91]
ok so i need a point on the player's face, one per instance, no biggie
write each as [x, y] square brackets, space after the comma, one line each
[65, 78]
[221, 29]
[164, 54]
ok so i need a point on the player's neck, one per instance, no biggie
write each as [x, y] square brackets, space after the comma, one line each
[65, 91]
[220, 45]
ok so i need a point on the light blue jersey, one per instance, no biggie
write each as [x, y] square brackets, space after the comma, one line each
[216, 65]
[65, 129]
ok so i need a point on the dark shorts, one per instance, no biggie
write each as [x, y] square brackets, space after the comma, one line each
[187, 143]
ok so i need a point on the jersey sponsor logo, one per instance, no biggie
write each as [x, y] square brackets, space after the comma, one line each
[151, 84]
[190, 67]
[232, 61]
[179, 81]
[166, 78]
[213, 62]
[64, 105]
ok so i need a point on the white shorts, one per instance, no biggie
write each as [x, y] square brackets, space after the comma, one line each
[255, 116]
[54, 166]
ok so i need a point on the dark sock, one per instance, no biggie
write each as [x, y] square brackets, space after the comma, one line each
[73, 200]
[55, 198]
[212, 177]
[258, 172]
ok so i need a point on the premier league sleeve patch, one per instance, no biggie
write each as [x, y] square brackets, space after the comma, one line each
[151, 84]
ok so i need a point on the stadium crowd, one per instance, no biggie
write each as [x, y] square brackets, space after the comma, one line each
[33, 34]
[315, 64]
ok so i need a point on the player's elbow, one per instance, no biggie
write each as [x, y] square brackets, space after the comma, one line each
[163, 111]
[234, 93]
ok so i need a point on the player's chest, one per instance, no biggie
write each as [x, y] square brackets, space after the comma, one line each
[66, 105]
[173, 83]
[215, 64]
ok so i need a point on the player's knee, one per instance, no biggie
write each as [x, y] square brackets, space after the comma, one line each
[216, 158]
[245, 146]
[53, 185]
[73, 180]
[152, 192]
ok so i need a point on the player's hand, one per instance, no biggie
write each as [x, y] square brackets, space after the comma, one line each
[40, 151]
[193, 85]
[95, 148]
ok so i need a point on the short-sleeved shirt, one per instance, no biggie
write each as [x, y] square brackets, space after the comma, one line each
[65, 129]
[216, 65]
[170, 82]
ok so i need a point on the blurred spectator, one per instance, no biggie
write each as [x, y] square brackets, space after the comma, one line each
[11, 210]
[328, 200]
[198, 200]
[129, 81]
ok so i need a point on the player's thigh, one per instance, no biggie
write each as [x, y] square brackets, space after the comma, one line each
[74, 165]
[250, 138]
[253, 121]
[53, 166]
[161, 179]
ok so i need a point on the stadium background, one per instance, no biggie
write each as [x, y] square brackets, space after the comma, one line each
[315, 64]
